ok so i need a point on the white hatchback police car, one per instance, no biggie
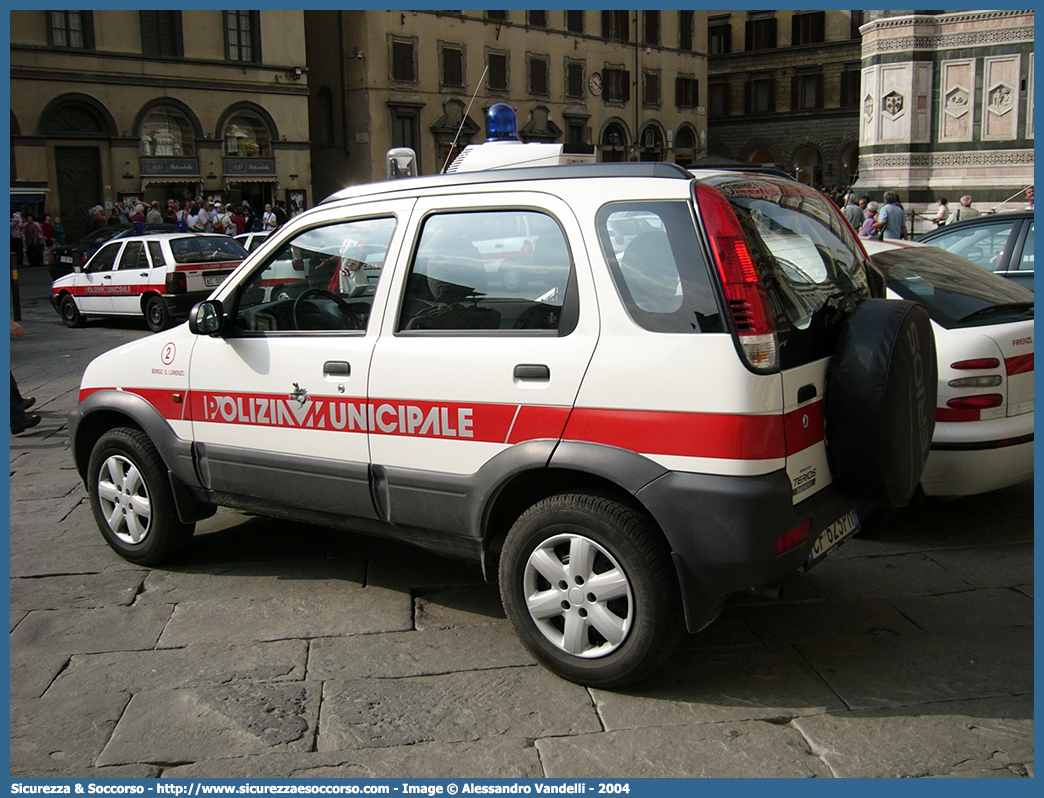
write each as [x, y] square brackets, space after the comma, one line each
[159, 277]
[622, 437]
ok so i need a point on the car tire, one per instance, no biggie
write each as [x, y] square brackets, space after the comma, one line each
[156, 314]
[132, 500]
[608, 622]
[71, 316]
[879, 410]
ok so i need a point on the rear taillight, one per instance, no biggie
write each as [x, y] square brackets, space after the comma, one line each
[176, 283]
[744, 290]
[83, 260]
[981, 401]
[980, 363]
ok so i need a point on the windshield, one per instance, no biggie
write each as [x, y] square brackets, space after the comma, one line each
[955, 291]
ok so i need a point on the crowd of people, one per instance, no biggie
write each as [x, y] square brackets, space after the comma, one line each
[199, 215]
[888, 219]
[30, 238]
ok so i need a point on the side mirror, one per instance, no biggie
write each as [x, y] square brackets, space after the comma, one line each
[205, 317]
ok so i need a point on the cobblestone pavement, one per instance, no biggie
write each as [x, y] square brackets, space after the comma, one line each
[276, 650]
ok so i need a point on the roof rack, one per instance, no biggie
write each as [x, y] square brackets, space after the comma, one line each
[659, 169]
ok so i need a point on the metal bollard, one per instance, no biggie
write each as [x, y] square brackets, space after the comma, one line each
[16, 301]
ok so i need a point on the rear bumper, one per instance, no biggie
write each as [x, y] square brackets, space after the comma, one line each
[965, 471]
[723, 532]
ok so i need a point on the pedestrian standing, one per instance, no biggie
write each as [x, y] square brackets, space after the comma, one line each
[59, 231]
[95, 219]
[238, 220]
[942, 214]
[33, 236]
[16, 236]
[138, 219]
[20, 420]
[965, 211]
[853, 211]
[891, 220]
[1029, 198]
[48, 234]
[268, 219]
[280, 214]
[869, 227]
[154, 216]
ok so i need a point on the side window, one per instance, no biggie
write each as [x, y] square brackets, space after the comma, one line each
[490, 270]
[656, 262]
[105, 259]
[134, 256]
[1027, 251]
[983, 244]
[156, 251]
[322, 279]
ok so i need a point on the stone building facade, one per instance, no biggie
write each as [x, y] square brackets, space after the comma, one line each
[947, 106]
[632, 84]
[115, 105]
[783, 90]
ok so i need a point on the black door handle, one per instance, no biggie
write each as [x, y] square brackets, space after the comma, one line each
[337, 368]
[806, 392]
[532, 372]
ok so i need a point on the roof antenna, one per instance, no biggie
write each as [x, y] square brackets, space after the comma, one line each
[463, 119]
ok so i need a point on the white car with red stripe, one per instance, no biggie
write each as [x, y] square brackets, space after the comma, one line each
[159, 277]
[984, 337]
[623, 437]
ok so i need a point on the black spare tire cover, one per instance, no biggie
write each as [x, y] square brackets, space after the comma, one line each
[880, 401]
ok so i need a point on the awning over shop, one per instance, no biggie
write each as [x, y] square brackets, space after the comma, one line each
[35, 193]
[170, 179]
[251, 179]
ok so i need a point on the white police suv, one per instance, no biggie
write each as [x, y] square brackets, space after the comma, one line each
[158, 276]
[623, 437]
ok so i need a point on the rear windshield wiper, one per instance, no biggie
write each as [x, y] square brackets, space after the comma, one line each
[1007, 307]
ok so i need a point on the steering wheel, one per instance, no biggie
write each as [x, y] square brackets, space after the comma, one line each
[311, 310]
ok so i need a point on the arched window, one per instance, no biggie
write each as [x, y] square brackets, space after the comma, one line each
[684, 145]
[761, 156]
[808, 163]
[614, 142]
[75, 118]
[167, 133]
[246, 135]
[651, 144]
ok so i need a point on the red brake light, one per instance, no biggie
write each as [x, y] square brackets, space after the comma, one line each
[744, 290]
[176, 283]
[978, 402]
[981, 363]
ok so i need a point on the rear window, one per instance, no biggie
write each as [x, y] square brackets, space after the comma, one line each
[206, 249]
[955, 291]
[813, 268]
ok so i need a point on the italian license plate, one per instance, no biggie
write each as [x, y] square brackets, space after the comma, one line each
[841, 530]
[65, 258]
[213, 282]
